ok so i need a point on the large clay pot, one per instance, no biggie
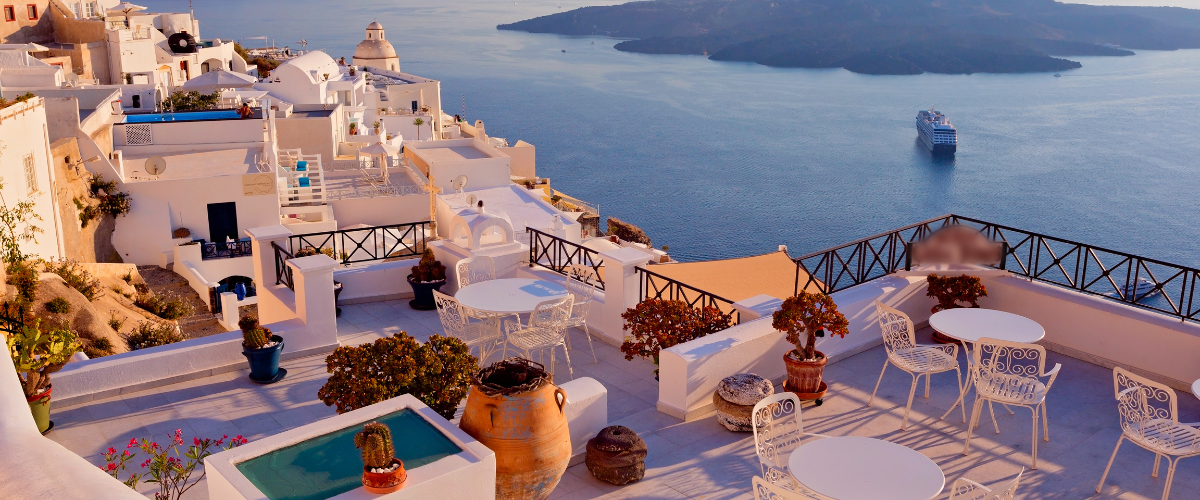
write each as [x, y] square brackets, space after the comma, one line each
[39, 405]
[527, 429]
[804, 377]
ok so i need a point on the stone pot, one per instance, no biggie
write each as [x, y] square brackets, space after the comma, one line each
[804, 376]
[264, 363]
[39, 405]
[423, 293]
[384, 482]
[616, 456]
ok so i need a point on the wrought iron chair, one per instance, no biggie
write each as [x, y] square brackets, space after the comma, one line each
[547, 329]
[764, 490]
[483, 333]
[966, 489]
[1150, 419]
[474, 270]
[900, 342]
[778, 428]
[1010, 373]
[580, 284]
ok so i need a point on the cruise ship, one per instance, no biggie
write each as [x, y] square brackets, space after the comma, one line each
[936, 132]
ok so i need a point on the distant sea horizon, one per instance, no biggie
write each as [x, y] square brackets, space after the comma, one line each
[721, 160]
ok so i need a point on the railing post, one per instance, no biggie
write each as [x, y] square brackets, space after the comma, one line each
[621, 290]
[270, 307]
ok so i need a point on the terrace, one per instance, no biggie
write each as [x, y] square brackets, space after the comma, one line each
[695, 457]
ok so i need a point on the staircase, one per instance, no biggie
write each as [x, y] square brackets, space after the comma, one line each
[301, 179]
[161, 281]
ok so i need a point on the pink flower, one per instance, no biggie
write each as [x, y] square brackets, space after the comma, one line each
[111, 451]
[146, 463]
[196, 441]
[132, 443]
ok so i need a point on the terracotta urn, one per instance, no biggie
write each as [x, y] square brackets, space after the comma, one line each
[385, 482]
[804, 377]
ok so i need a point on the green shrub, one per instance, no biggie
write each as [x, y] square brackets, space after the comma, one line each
[148, 334]
[98, 348]
[22, 275]
[72, 273]
[167, 306]
[58, 305]
[115, 323]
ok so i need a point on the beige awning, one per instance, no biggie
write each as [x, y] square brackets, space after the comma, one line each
[771, 274]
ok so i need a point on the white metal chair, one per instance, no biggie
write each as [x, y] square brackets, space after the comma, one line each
[764, 490]
[900, 342]
[580, 283]
[966, 489]
[483, 333]
[1010, 373]
[474, 270]
[778, 428]
[547, 329]
[1150, 418]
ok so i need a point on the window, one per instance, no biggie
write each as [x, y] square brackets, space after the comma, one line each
[137, 101]
[30, 174]
[32, 9]
[75, 10]
[204, 68]
[10, 13]
[89, 9]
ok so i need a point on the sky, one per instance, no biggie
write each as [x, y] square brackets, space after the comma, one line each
[1191, 4]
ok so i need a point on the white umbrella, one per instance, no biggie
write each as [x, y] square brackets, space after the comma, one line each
[25, 47]
[380, 148]
[219, 80]
[126, 7]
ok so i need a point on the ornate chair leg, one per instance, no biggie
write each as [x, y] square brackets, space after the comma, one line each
[881, 372]
[1100, 485]
[587, 332]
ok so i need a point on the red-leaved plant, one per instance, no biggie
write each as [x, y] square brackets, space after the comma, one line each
[166, 465]
[657, 324]
[953, 292]
[811, 314]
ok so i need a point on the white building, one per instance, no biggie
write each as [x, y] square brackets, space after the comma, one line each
[19, 70]
[375, 51]
[26, 173]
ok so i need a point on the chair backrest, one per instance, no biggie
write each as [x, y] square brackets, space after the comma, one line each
[1007, 368]
[764, 490]
[777, 428]
[452, 314]
[966, 489]
[580, 283]
[475, 269]
[1006, 490]
[897, 328]
[1140, 401]
[552, 314]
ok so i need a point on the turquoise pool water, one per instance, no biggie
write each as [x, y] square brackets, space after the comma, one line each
[190, 116]
[329, 465]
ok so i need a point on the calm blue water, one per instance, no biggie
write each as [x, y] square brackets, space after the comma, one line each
[191, 116]
[731, 159]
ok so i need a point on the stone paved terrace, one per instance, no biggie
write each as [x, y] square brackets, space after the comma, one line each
[698, 459]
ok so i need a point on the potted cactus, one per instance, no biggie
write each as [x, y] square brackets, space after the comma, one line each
[427, 276]
[803, 318]
[382, 471]
[262, 350]
[37, 354]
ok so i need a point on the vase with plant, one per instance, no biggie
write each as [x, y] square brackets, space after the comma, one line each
[36, 354]
[376, 125]
[353, 128]
[427, 276]
[382, 471]
[804, 318]
[656, 324]
[953, 292]
[262, 349]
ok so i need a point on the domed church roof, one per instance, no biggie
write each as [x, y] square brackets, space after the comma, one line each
[375, 26]
[374, 46]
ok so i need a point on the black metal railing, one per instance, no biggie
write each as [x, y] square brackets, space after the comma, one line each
[209, 251]
[366, 244]
[657, 286]
[557, 254]
[1139, 281]
[283, 273]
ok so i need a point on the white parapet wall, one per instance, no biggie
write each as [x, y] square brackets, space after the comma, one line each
[689, 372]
[468, 475]
[587, 413]
[375, 281]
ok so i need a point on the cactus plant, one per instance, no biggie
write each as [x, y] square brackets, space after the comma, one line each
[253, 335]
[375, 441]
[429, 269]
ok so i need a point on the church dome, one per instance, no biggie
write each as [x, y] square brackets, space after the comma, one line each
[375, 26]
[374, 46]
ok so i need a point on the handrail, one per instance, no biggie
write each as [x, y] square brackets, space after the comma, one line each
[557, 254]
[1131, 279]
[283, 273]
[225, 250]
[648, 283]
[349, 246]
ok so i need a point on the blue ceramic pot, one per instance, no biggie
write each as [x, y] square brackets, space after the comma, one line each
[264, 363]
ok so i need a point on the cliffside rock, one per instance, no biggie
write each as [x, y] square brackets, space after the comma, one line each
[627, 231]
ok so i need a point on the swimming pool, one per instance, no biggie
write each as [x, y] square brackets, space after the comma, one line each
[183, 116]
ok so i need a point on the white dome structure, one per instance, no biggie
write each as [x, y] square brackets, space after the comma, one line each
[375, 51]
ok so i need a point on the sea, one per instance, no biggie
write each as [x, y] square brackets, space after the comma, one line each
[719, 160]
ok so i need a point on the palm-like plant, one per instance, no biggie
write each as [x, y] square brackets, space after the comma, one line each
[418, 122]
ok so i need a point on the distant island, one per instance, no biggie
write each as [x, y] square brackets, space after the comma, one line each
[882, 37]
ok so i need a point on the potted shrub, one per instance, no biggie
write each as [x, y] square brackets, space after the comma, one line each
[353, 128]
[427, 276]
[656, 324]
[382, 471]
[262, 350]
[37, 354]
[376, 125]
[953, 292]
[804, 318]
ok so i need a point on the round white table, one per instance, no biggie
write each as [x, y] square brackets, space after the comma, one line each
[860, 468]
[969, 324]
[509, 295]
[1196, 388]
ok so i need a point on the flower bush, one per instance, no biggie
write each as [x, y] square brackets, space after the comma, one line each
[657, 324]
[149, 334]
[165, 465]
[437, 372]
[811, 314]
[953, 292]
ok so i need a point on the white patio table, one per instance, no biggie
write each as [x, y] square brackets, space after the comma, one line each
[969, 324]
[509, 295]
[1196, 388]
[861, 468]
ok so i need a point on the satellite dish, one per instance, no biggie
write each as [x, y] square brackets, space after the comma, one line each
[156, 165]
[471, 199]
[459, 183]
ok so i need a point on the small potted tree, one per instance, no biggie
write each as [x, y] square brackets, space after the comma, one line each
[376, 125]
[804, 318]
[37, 354]
[953, 292]
[656, 324]
[262, 350]
[427, 276]
[382, 471]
